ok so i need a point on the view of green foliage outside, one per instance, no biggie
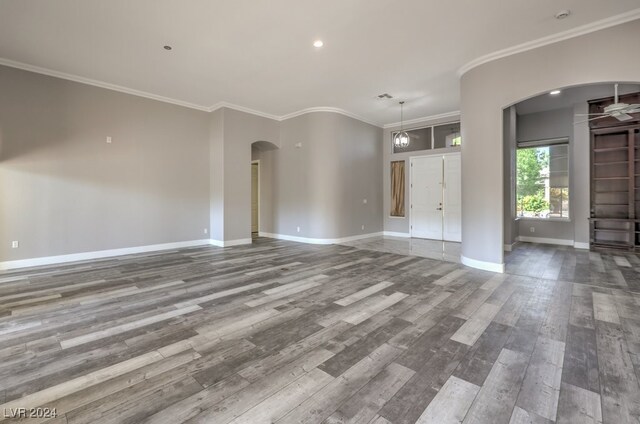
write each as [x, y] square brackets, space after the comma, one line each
[532, 169]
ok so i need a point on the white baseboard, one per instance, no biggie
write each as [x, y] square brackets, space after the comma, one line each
[74, 257]
[580, 245]
[319, 241]
[229, 243]
[509, 247]
[395, 234]
[486, 266]
[543, 240]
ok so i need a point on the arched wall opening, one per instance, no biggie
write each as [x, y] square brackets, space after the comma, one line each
[232, 134]
[262, 201]
[488, 89]
[552, 204]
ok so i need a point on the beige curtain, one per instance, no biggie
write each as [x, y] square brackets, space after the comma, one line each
[397, 188]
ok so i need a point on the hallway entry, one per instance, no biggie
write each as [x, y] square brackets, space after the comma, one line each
[255, 198]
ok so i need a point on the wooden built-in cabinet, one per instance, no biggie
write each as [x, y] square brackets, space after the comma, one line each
[615, 179]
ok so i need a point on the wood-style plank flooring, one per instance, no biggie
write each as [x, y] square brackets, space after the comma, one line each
[288, 333]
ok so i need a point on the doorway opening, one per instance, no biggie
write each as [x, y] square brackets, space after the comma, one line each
[255, 198]
[569, 175]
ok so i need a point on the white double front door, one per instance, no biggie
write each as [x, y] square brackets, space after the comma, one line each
[436, 206]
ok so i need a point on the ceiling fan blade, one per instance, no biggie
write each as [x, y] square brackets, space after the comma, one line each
[635, 108]
[622, 117]
[592, 119]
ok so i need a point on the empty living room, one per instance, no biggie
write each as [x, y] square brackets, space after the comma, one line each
[363, 211]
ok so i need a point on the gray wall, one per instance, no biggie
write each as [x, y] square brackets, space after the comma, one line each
[544, 125]
[540, 126]
[509, 121]
[487, 89]
[170, 172]
[65, 190]
[550, 124]
[580, 152]
[401, 224]
[240, 130]
[216, 174]
[320, 186]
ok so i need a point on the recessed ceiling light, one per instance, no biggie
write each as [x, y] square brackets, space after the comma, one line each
[555, 92]
[563, 14]
[168, 47]
[318, 43]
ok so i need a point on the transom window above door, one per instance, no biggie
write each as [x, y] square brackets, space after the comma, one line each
[431, 137]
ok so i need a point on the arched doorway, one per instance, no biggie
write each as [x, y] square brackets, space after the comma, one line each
[549, 135]
[262, 165]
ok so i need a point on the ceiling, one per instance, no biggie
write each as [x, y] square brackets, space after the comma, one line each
[572, 95]
[259, 54]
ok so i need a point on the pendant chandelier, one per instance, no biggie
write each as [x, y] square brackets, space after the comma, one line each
[401, 138]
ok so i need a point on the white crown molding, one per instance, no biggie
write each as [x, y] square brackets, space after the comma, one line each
[219, 105]
[452, 114]
[228, 105]
[327, 109]
[544, 41]
[139, 93]
[575, 32]
[301, 112]
[96, 83]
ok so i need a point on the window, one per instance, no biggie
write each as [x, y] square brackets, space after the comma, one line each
[432, 137]
[542, 186]
[397, 188]
[419, 139]
[447, 135]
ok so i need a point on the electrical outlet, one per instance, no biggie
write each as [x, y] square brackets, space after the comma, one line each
[364, 201]
[363, 227]
[532, 229]
[298, 229]
[206, 231]
[15, 244]
[109, 140]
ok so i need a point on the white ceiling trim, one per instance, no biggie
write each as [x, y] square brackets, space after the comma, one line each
[565, 35]
[220, 105]
[96, 83]
[575, 32]
[328, 109]
[139, 93]
[426, 119]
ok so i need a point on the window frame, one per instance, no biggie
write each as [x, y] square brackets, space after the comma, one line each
[402, 192]
[529, 144]
[432, 145]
